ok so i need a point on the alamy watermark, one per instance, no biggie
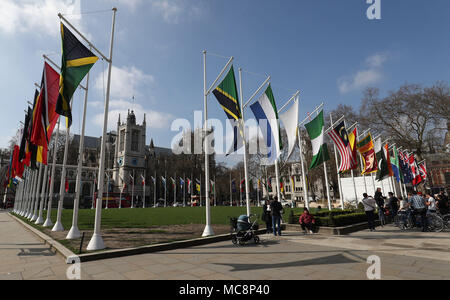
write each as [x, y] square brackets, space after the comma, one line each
[74, 270]
[374, 270]
[374, 10]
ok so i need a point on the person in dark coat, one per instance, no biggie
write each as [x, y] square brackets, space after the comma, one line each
[380, 203]
[267, 216]
[277, 211]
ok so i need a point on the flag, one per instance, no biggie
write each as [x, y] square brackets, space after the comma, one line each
[163, 181]
[395, 165]
[340, 138]
[242, 186]
[67, 185]
[416, 178]
[143, 180]
[315, 130]
[269, 185]
[181, 183]
[227, 95]
[388, 159]
[189, 186]
[352, 141]
[423, 170]
[383, 166]
[259, 184]
[366, 149]
[290, 121]
[24, 138]
[233, 185]
[173, 182]
[293, 183]
[213, 186]
[281, 185]
[266, 114]
[77, 60]
[404, 166]
[198, 185]
[44, 115]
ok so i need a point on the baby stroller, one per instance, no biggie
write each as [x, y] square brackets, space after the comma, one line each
[243, 230]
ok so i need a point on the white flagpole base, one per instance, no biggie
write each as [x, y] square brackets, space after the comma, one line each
[48, 223]
[58, 227]
[39, 221]
[74, 233]
[96, 243]
[208, 231]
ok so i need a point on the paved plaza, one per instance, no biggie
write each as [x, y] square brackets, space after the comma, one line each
[404, 255]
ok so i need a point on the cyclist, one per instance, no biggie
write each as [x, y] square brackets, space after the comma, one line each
[420, 208]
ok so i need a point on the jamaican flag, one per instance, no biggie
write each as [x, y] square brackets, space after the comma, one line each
[77, 60]
[227, 95]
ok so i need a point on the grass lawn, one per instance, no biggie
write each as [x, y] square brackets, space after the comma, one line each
[147, 217]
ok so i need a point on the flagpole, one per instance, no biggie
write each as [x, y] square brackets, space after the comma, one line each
[337, 169]
[96, 242]
[107, 189]
[360, 156]
[247, 190]
[48, 221]
[143, 201]
[231, 191]
[93, 191]
[74, 232]
[132, 192]
[30, 194]
[214, 187]
[58, 225]
[40, 220]
[351, 171]
[154, 190]
[38, 195]
[120, 195]
[208, 231]
[305, 188]
[326, 181]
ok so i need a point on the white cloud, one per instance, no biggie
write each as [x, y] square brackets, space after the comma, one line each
[37, 16]
[363, 78]
[125, 82]
[154, 119]
[175, 11]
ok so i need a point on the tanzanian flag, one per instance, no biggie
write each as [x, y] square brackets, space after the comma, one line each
[227, 95]
[77, 60]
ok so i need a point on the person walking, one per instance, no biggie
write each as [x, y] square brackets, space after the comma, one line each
[369, 208]
[392, 205]
[277, 211]
[307, 222]
[431, 203]
[442, 203]
[380, 204]
[267, 216]
[419, 206]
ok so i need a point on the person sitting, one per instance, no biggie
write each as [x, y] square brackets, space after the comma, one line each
[307, 221]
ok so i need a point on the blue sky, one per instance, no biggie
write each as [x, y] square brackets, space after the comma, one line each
[327, 49]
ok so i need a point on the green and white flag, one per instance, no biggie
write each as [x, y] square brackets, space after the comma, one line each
[315, 130]
[383, 168]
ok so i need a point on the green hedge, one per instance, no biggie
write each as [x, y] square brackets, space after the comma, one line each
[335, 218]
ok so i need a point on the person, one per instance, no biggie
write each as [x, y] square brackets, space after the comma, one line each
[402, 210]
[442, 203]
[392, 204]
[431, 203]
[267, 217]
[418, 204]
[380, 203]
[307, 221]
[369, 208]
[277, 211]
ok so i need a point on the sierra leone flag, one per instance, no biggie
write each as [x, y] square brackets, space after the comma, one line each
[77, 60]
[315, 130]
[266, 114]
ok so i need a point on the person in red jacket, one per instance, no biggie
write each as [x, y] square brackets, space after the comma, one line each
[307, 221]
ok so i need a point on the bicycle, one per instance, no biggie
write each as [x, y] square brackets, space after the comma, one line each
[408, 220]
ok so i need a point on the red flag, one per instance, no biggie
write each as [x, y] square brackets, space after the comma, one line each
[423, 170]
[44, 116]
[67, 186]
[414, 170]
